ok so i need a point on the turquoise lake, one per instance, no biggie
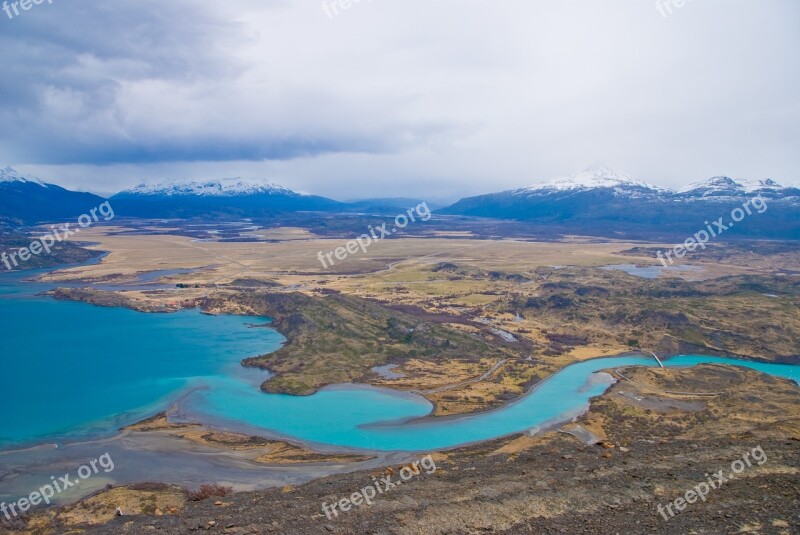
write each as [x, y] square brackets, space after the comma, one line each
[73, 371]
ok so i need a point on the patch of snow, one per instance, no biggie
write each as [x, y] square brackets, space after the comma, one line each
[600, 176]
[750, 184]
[9, 174]
[221, 187]
[593, 177]
[721, 185]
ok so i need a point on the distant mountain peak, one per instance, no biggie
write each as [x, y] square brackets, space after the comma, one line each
[234, 197]
[723, 185]
[722, 179]
[9, 174]
[596, 176]
[26, 200]
[759, 183]
[220, 187]
[600, 169]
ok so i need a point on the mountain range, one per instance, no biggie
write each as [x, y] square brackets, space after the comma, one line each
[596, 201]
[224, 197]
[600, 200]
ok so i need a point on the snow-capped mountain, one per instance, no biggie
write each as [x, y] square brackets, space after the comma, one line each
[9, 174]
[723, 187]
[760, 184]
[221, 187]
[713, 187]
[600, 200]
[223, 197]
[596, 176]
[25, 199]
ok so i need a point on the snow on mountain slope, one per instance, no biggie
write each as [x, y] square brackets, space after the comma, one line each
[601, 201]
[9, 174]
[602, 177]
[222, 187]
[712, 187]
[597, 176]
[233, 197]
[757, 184]
[723, 188]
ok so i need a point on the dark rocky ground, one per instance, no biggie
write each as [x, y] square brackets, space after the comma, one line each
[557, 487]
[61, 254]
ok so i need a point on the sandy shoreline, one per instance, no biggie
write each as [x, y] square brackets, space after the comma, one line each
[159, 457]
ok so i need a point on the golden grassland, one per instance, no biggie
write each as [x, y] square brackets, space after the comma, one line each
[296, 254]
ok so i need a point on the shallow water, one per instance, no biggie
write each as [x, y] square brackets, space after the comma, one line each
[650, 272]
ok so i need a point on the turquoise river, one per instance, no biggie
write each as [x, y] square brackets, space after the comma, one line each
[71, 371]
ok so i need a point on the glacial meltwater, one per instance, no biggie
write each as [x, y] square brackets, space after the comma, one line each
[73, 371]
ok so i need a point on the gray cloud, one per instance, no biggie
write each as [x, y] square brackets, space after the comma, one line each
[448, 98]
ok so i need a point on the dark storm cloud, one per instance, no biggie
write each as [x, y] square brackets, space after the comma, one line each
[72, 69]
[74, 58]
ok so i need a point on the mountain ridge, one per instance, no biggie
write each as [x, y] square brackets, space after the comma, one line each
[601, 176]
[221, 197]
[601, 201]
[25, 199]
[597, 175]
[9, 174]
[221, 187]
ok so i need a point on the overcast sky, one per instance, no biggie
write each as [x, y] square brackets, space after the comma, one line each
[437, 99]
